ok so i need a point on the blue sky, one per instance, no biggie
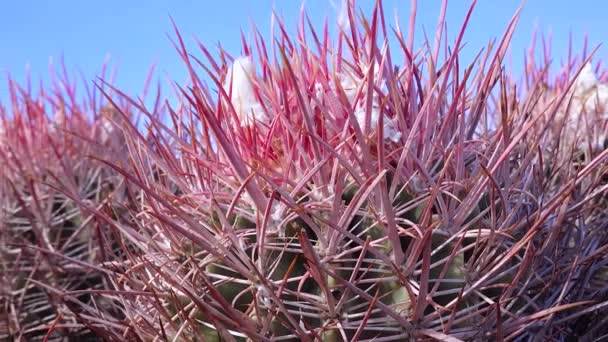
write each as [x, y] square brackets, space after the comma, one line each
[134, 33]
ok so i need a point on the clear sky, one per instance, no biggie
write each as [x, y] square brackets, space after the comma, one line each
[134, 33]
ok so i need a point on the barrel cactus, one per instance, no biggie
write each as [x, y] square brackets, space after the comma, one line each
[316, 190]
[50, 245]
[326, 194]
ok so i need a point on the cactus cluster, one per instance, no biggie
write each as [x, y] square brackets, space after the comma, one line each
[51, 246]
[318, 190]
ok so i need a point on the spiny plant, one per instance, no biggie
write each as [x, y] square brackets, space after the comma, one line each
[50, 247]
[316, 191]
[334, 196]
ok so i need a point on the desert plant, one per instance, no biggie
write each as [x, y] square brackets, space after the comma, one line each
[324, 193]
[280, 211]
[50, 246]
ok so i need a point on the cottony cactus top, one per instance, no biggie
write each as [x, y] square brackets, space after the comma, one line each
[582, 112]
[590, 95]
[239, 86]
[351, 84]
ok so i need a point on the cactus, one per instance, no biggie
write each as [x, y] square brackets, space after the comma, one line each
[347, 232]
[51, 245]
[326, 194]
